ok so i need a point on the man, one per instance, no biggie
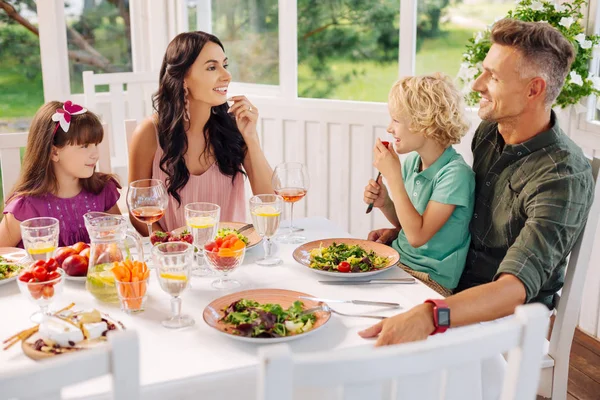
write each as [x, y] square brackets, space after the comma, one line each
[534, 189]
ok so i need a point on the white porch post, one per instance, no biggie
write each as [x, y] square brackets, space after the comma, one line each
[204, 15]
[288, 48]
[53, 49]
[408, 37]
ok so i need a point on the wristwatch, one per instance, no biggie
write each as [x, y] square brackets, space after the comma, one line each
[441, 315]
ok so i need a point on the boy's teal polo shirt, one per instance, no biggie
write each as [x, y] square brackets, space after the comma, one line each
[449, 180]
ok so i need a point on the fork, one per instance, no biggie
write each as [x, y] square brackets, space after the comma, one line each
[244, 228]
[326, 308]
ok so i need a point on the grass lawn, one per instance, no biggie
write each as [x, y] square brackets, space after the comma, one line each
[441, 54]
[20, 96]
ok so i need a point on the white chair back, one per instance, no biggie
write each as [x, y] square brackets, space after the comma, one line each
[439, 368]
[554, 385]
[120, 103]
[10, 159]
[44, 380]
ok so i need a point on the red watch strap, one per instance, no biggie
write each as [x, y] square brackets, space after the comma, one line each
[437, 304]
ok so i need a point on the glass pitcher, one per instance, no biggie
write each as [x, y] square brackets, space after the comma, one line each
[108, 245]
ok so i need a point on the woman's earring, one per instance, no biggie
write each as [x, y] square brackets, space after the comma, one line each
[186, 102]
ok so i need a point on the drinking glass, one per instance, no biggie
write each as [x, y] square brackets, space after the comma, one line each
[202, 220]
[42, 293]
[173, 261]
[147, 200]
[290, 181]
[266, 213]
[40, 237]
[224, 261]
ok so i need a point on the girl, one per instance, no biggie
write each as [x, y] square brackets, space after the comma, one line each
[58, 178]
[432, 192]
[198, 146]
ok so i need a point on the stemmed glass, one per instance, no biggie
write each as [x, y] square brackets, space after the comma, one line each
[290, 181]
[173, 261]
[266, 213]
[40, 237]
[202, 220]
[147, 200]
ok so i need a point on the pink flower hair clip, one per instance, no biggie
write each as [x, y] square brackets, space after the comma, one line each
[62, 116]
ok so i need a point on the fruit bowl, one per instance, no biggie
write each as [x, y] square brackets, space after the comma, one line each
[224, 260]
[41, 290]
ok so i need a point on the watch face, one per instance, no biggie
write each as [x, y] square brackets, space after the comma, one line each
[443, 317]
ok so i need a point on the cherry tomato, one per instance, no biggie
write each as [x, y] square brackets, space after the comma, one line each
[26, 277]
[385, 143]
[34, 289]
[344, 266]
[39, 273]
[52, 275]
[210, 246]
[39, 263]
[47, 291]
[51, 265]
[219, 241]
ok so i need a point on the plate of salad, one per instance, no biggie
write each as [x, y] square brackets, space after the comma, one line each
[12, 260]
[264, 315]
[347, 258]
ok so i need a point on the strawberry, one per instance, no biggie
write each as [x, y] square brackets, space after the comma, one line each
[159, 237]
[174, 238]
[186, 236]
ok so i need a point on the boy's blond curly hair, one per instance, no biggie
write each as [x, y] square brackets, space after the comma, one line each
[432, 105]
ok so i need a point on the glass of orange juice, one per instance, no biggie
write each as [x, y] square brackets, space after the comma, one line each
[40, 237]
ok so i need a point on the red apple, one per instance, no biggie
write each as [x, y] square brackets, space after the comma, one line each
[75, 265]
[80, 246]
[86, 253]
[62, 253]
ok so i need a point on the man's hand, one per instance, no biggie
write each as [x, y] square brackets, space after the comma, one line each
[411, 326]
[385, 235]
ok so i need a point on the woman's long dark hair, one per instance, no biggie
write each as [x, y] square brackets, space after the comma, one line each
[221, 132]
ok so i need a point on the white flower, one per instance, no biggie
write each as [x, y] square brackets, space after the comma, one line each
[576, 78]
[566, 22]
[580, 38]
[560, 8]
[586, 44]
[478, 37]
[537, 6]
[595, 82]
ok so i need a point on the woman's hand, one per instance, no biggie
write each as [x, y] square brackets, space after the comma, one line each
[246, 116]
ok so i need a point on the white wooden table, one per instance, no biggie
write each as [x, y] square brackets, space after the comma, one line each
[179, 362]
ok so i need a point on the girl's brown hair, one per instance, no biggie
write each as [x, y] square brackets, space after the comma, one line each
[37, 173]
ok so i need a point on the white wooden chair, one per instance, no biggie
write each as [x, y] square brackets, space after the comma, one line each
[44, 380]
[440, 368]
[555, 365]
[10, 159]
[134, 101]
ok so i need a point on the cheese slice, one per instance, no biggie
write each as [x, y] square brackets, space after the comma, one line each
[94, 330]
[61, 332]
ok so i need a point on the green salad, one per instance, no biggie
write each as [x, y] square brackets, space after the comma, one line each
[252, 319]
[344, 258]
[223, 232]
[8, 269]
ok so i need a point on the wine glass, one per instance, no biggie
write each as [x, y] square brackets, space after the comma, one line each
[41, 292]
[173, 262]
[147, 200]
[290, 181]
[202, 220]
[266, 213]
[40, 237]
[224, 261]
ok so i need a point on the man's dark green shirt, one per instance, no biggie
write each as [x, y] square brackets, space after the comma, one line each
[531, 203]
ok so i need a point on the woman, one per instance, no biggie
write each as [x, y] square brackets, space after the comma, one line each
[195, 143]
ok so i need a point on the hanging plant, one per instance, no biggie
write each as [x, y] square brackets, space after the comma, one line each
[567, 19]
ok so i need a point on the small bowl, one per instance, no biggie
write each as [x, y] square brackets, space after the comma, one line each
[225, 260]
[132, 295]
[42, 293]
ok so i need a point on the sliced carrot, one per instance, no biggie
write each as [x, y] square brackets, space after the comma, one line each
[146, 274]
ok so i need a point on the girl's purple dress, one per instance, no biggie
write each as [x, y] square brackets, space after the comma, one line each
[69, 212]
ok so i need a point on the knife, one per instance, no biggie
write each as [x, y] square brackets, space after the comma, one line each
[371, 281]
[361, 302]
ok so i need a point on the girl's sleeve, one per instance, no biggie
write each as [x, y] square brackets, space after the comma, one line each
[111, 195]
[21, 208]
